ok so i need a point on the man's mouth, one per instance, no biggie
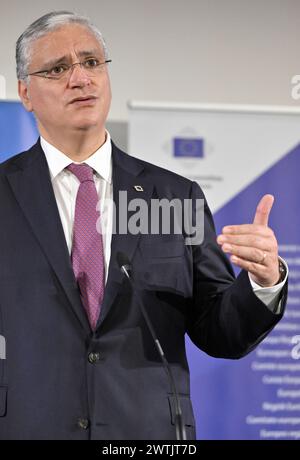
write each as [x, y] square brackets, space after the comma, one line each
[83, 99]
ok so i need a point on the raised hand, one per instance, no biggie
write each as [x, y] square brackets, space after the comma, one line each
[254, 247]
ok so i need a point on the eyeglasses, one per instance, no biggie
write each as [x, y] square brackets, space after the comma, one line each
[91, 66]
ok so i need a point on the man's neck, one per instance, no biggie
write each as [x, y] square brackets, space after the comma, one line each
[77, 146]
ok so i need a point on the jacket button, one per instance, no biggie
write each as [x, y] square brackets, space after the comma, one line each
[83, 423]
[94, 357]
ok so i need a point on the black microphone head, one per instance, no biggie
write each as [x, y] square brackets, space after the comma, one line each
[122, 259]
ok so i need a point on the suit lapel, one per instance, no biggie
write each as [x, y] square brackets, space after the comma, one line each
[128, 173]
[31, 184]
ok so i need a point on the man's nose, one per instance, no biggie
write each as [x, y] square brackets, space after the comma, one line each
[78, 76]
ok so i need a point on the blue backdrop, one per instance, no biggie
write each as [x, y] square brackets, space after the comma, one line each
[258, 397]
[18, 129]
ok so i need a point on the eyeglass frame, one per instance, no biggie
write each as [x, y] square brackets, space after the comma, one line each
[68, 68]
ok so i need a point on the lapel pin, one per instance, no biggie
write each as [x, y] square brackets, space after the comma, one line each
[138, 188]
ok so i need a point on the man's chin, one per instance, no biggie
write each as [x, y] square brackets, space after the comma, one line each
[87, 125]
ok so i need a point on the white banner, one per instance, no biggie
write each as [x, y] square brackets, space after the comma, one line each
[238, 142]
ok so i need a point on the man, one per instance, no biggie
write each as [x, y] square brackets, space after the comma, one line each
[81, 362]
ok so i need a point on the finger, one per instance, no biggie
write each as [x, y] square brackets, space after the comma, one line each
[251, 241]
[245, 229]
[251, 267]
[255, 255]
[263, 210]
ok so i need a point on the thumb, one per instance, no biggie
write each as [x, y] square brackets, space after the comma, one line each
[263, 210]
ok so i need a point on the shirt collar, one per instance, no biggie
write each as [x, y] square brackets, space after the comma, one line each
[100, 161]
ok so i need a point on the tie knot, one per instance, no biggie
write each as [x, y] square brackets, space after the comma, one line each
[83, 172]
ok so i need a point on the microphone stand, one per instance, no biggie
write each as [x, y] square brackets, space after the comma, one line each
[179, 426]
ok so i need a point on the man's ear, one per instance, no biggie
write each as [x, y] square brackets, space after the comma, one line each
[24, 95]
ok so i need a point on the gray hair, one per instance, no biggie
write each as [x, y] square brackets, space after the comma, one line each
[44, 25]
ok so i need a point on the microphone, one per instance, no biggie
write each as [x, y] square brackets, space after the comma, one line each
[125, 267]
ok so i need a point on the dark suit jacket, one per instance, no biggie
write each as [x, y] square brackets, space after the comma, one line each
[49, 389]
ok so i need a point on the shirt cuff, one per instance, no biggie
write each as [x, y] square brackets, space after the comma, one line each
[270, 296]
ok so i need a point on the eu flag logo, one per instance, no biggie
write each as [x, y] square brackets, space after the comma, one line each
[188, 147]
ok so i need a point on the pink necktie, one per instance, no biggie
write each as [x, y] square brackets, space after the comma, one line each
[87, 249]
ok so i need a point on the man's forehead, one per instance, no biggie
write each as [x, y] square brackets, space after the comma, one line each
[62, 43]
[55, 59]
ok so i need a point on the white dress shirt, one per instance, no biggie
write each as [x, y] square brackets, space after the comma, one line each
[65, 186]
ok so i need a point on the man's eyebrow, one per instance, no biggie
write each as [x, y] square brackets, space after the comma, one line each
[54, 62]
[93, 52]
[65, 58]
